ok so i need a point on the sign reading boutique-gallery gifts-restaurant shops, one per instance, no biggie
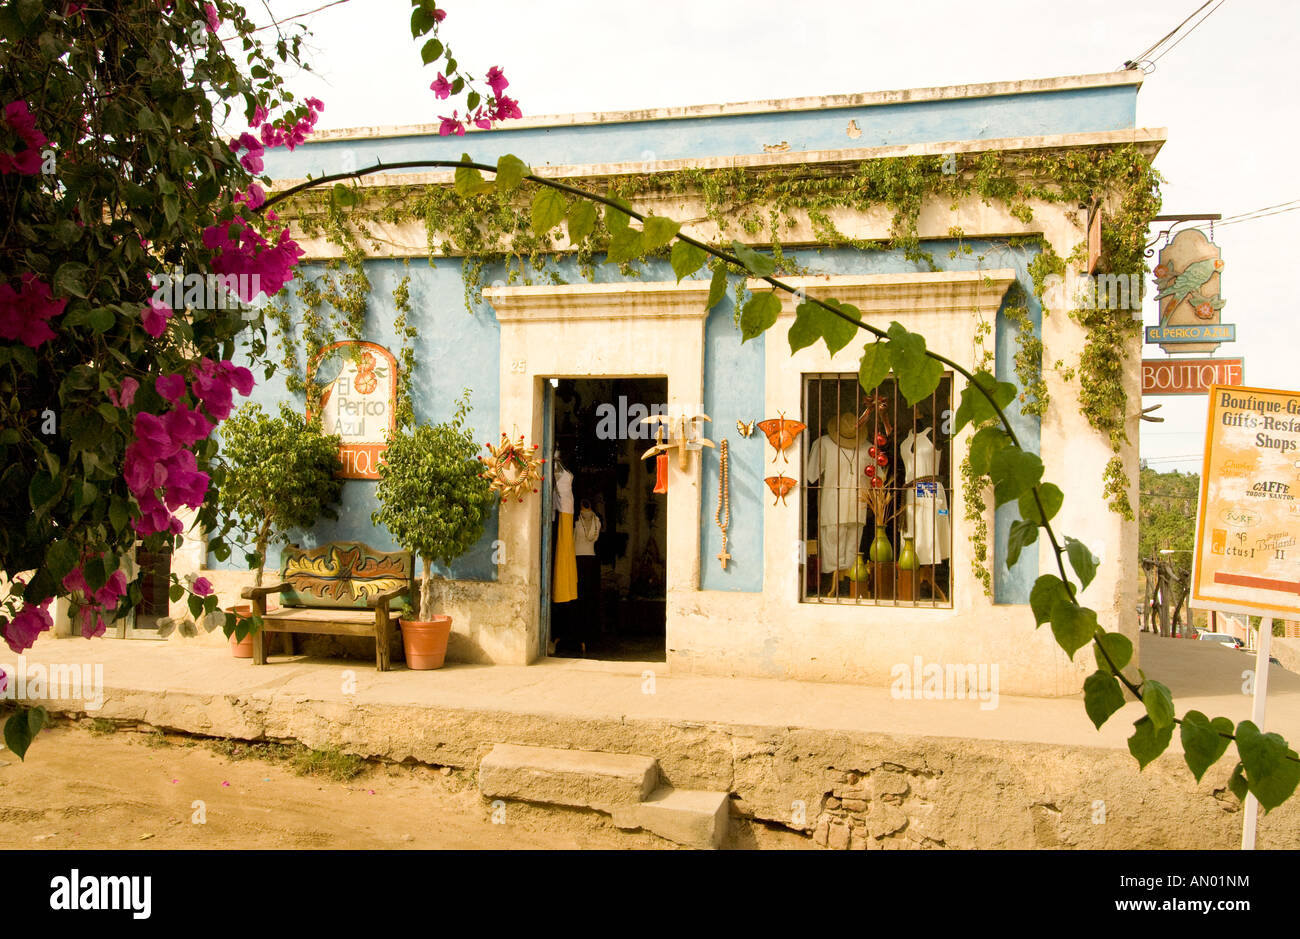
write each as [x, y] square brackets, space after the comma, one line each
[1248, 529]
[358, 401]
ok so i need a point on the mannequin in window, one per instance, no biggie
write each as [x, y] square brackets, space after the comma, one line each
[836, 461]
[565, 586]
[925, 516]
[586, 529]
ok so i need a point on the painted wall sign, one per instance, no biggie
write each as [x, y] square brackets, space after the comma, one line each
[1211, 336]
[358, 402]
[1190, 376]
[1188, 277]
[1247, 556]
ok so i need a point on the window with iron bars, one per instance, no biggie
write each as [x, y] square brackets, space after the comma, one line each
[875, 520]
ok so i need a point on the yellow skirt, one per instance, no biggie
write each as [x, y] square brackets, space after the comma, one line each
[566, 563]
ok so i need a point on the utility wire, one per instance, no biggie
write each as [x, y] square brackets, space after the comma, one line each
[1186, 34]
[1264, 215]
[1138, 59]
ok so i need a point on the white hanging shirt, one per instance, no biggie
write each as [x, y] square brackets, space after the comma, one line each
[841, 473]
[564, 491]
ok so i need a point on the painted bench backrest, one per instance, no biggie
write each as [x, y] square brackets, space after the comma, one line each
[344, 574]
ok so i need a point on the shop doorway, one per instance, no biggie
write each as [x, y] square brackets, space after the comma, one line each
[606, 601]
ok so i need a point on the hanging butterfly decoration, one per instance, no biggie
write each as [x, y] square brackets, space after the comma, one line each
[781, 433]
[512, 468]
[780, 486]
[745, 429]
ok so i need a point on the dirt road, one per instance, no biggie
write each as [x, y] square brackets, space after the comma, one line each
[79, 789]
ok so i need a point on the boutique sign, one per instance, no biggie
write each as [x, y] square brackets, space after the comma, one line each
[1190, 376]
[358, 401]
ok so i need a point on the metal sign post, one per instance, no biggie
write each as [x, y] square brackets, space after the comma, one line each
[1257, 705]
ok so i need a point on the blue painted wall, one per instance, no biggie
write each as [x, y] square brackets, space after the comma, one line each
[1039, 113]
[455, 349]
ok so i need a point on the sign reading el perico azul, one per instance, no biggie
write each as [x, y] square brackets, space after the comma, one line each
[358, 401]
[1247, 554]
[1188, 277]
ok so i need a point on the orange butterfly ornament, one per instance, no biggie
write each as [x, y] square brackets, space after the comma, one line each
[780, 486]
[781, 434]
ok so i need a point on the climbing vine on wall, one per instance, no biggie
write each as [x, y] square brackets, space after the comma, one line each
[492, 230]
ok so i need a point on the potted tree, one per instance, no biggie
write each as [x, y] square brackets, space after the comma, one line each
[435, 503]
[280, 474]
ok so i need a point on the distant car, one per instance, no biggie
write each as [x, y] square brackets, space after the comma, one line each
[1223, 639]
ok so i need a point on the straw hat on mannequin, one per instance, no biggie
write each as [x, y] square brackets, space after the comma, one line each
[844, 430]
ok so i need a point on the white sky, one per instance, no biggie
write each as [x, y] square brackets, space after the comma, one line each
[1225, 93]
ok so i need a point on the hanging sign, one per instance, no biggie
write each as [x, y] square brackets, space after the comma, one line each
[358, 401]
[1190, 376]
[1188, 277]
[1247, 556]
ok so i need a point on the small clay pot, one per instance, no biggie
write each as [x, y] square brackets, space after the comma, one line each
[425, 643]
[241, 650]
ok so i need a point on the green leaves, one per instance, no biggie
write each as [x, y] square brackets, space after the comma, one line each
[624, 245]
[581, 220]
[975, 407]
[1148, 740]
[812, 321]
[1013, 471]
[686, 259]
[918, 374]
[547, 210]
[70, 279]
[1051, 497]
[1073, 626]
[657, 231]
[344, 196]
[984, 446]
[1048, 591]
[1271, 769]
[1119, 649]
[760, 265]
[1159, 702]
[717, 287]
[1203, 741]
[431, 51]
[1102, 697]
[21, 729]
[470, 182]
[1022, 535]
[1081, 559]
[876, 363]
[758, 314]
[511, 172]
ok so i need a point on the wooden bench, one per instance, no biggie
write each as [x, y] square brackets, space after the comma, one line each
[343, 588]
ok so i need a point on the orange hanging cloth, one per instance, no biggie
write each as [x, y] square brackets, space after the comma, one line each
[661, 473]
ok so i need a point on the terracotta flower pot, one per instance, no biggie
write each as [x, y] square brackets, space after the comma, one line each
[241, 650]
[426, 643]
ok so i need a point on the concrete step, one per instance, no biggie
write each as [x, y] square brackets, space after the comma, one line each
[581, 778]
[693, 817]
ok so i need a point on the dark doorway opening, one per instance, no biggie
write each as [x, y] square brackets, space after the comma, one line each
[618, 529]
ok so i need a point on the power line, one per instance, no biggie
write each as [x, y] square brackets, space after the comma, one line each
[1186, 34]
[1136, 60]
[1261, 215]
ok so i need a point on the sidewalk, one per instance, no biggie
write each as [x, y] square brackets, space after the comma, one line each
[1028, 772]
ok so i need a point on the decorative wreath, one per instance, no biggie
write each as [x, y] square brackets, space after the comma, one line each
[512, 468]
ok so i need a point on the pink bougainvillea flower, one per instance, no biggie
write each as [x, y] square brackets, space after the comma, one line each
[451, 125]
[481, 120]
[75, 580]
[22, 630]
[23, 123]
[260, 115]
[92, 622]
[171, 387]
[113, 589]
[124, 397]
[439, 15]
[154, 317]
[151, 432]
[186, 426]
[214, 22]
[506, 108]
[202, 586]
[441, 87]
[496, 80]
[25, 312]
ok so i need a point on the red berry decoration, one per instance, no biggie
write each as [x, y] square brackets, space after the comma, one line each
[870, 471]
[882, 460]
[872, 452]
[875, 481]
[881, 440]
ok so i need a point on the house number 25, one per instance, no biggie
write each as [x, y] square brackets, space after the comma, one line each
[518, 366]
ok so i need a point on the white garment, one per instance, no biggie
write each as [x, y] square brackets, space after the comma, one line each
[926, 518]
[564, 491]
[840, 474]
[837, 547]
[586, 529]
